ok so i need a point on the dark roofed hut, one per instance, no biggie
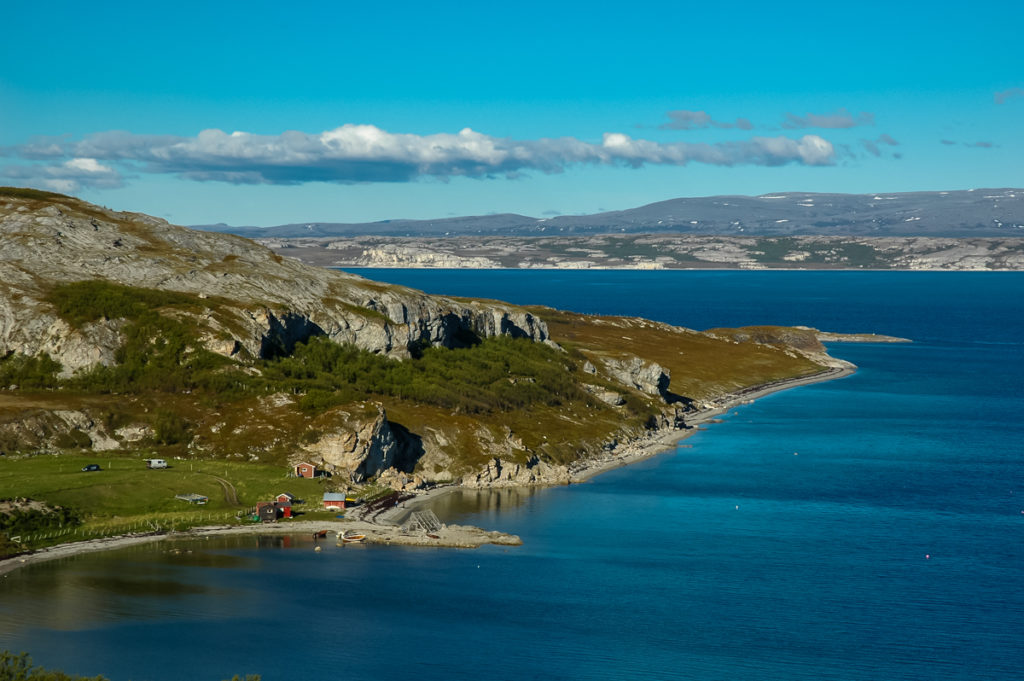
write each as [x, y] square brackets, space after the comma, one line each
[267, 511]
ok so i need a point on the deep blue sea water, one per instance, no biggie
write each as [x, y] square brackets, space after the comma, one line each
[866, 528]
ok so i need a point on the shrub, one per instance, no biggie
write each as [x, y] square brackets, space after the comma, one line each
[27, 520]
[19, 668]
[29, 372]
[73, 439]
[169, 428]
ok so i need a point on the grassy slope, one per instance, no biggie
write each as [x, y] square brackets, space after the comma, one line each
[702, 367]
[125, 496]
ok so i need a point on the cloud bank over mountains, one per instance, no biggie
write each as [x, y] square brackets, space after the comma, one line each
[365, 153]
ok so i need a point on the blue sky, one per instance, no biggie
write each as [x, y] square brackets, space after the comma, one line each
[264, 113]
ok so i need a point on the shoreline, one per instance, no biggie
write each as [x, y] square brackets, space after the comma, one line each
[385, 527]
[665, 440]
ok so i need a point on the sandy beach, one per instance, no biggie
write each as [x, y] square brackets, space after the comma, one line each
[386, 527]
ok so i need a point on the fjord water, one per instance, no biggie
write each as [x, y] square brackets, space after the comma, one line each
[866, 528]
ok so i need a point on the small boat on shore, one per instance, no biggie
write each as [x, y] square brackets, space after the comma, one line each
[351, 537]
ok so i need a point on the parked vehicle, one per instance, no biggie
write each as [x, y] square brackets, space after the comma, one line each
[156, 463]
[91, 467]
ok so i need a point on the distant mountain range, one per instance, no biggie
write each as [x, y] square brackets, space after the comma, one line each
[962, 213]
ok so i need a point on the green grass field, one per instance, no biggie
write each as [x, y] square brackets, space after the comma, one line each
[125, 496]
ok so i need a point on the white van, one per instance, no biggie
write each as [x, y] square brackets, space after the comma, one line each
[156, 463]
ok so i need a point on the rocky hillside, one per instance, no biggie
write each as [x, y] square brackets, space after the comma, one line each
[270, 302]
[120, 332]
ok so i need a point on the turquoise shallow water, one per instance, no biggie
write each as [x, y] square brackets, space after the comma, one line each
[867, 528]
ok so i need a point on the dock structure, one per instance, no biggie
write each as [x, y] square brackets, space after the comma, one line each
[427, 521]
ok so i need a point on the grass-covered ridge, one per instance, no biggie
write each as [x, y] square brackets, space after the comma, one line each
[31, 194]
[702, 366]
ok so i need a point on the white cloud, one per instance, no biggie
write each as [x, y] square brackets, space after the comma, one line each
[88, 166]
[366, 153]
[70, 176]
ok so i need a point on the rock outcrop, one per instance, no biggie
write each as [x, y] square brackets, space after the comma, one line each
[646, 376]
[356, 451]
[498, 473]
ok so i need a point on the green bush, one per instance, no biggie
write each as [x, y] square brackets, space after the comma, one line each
[169, 428]
[28, 520]
[29, 372]
[19, 668]
[73, 439]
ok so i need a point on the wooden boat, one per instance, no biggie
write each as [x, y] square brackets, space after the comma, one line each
[351, 536]
[320, 535]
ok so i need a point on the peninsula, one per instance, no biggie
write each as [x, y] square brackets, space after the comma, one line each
[125, 338]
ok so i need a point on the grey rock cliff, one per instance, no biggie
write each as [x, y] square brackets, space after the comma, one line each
[356, 451]
[645, 376]
[498, 473]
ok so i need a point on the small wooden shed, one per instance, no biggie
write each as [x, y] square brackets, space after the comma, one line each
[266, 511]
[305, 470]
[285, 497]
[334, 500]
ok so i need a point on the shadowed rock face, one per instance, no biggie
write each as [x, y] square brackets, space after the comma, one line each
[266, 303]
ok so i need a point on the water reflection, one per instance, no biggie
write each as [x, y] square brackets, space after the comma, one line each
[143, 582]
[482, 504]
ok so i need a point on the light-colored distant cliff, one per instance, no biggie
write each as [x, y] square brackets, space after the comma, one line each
[659, 251]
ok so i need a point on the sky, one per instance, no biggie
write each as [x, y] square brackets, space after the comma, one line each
[265, 113]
